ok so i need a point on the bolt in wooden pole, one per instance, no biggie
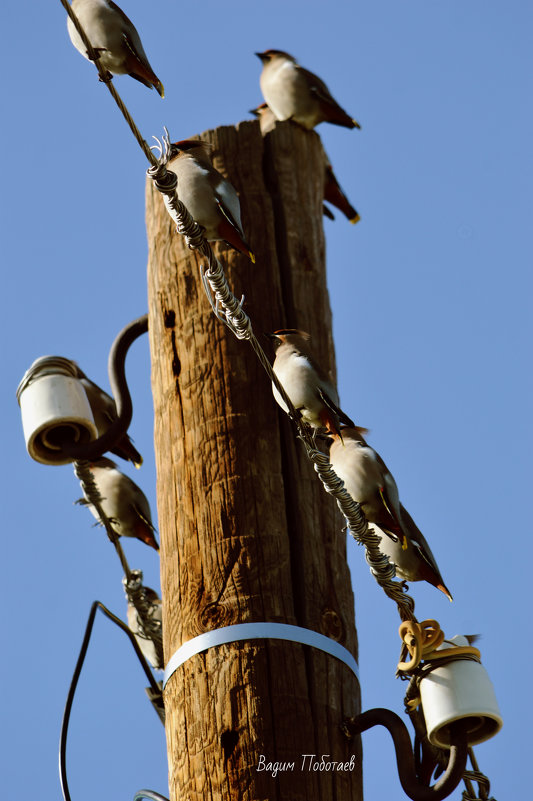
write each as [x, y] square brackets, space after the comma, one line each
[247, 532]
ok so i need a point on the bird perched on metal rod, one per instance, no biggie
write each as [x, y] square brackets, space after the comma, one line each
[105, 413]
[306, 384]
[368, 480]
[294, 93]
[146, 644]
[115, 40]
[209, 197]
[123, 502]
[332, 190]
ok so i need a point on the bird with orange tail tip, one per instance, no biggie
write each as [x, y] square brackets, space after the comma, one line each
[368, 480]
[332, 190]
[115, 39]
[308, 387]
[209, 197]
[105, 413]
[334, 195]
[123, 502]
[294, 93]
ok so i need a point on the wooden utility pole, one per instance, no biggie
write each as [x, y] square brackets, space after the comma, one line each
[247, 532]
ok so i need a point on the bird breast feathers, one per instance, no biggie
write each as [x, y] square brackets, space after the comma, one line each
[299, 380]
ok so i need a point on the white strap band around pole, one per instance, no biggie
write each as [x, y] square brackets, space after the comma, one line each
[259, 631]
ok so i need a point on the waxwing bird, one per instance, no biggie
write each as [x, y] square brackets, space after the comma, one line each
[105, 413]
[334, 195]
[294, 93]
[370, 483]
[208, 196]
[266, 117]
[332, 190]
[123, 502]
[308, 387]
[115, 39]
[146, 644]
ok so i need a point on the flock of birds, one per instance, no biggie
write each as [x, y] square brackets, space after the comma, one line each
[293, 93]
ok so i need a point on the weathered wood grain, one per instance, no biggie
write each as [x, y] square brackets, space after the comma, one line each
[247, 532]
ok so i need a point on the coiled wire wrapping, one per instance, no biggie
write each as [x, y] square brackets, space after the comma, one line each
[229, 311]
[150, 628]
[477, 776]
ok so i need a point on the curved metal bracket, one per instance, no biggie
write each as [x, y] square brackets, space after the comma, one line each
[121, 394]
[404, 753]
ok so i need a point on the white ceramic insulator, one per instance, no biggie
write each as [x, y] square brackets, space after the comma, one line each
[459, 690]
[55, 411]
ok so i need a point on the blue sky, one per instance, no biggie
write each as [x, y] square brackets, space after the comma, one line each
[431, 299]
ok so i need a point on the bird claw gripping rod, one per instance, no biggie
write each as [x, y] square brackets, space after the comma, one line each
[229, 310]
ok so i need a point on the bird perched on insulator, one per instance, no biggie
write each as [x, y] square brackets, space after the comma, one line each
[332, 190]
[209, 197]
[294, 93]
[105, 413]
[115, 40]
[145, 643]
[306, 384]
[123, 502]
[369, 481]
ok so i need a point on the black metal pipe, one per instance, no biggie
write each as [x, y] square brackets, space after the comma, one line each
[404, 753]
[121, 394]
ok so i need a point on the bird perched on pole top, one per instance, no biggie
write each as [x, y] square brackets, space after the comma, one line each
[332, 190]
[105, 413]
[309, 389]
[209, 197]
[294, 93]
[266, 117]
[123, 502]
[368, 480]
[114, 38]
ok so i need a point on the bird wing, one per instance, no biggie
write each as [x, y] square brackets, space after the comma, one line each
[318, 87]
[321, 93]
[388, 494]
[144, 517]
[334, 408]
[136, 58]
[227, 214]
[419, 541]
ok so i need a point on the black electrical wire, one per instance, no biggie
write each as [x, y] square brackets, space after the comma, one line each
[150, 794]
[74, 683]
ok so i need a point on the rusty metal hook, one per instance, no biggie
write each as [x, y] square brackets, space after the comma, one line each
[121, 394]
[404, 753]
